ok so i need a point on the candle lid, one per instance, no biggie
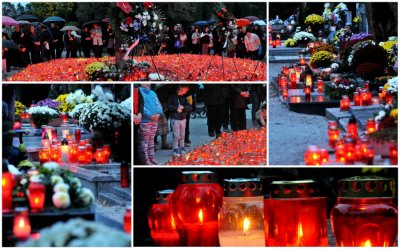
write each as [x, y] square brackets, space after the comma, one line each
[366, 186]
[294, 189]
[163, 196]
[243, 187]
[192, 177]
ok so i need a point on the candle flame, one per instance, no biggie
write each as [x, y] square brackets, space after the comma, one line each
[300, 228]
[201, 216]
[3, 182]
[21, 223]
[246, 225]
[36, 200]
[367, 243]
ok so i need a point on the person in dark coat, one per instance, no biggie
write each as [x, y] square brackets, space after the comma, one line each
[86, 41]
[214, 100]
[57, 43]
[241, 47]
[45, 39]
[34, 44]
[71, 43]
[240, 99]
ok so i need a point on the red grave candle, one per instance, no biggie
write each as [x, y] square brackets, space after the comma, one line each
[100, 156]
[302, 60]
[349, 151]
[365, 214]
[195, 206]
[340, 153]
[312, 155]
[366, 85]
[345, 103]
[295, 215]
[307, 92]
[352, 128]
[357, 99]
[285, 71]
[162, 226]
[278, 41]
[22, 225]
[17, 125]
[36, 194]
[284, 82]
[320, 86]
[293, 79]
[128, 219]
[81, 155]
[370, 126]
[125, 176]
[324, 156]
[285, 92]
[7, 187]
[77, 135]
[333, 135]
[393, 150]
[389, 98]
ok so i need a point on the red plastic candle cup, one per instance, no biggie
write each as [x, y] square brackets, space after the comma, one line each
[17, 125]
[37, 193]
[89, 153]
[195, 206]
[7, 187]
[370, 126]
[100, 156]
[293, 79]
[365, 214]
[324, 156]
[81, 155]
[340, 153]
[284, 82]
[309, 80]
[320, 86]
[393, 150]
[295, 215]
[107, 152]
[162, 227]
[128, 219]
[345, 103]
[285, 92]
[77, 135]
[55, 153]
[278, 41]
[285, 71]
[349, 150]
[274, 44]
[125, 175]
[22, 225]
[302, 60]
[333, 135]
[307, 92]
[366, 85]
[357, 99]
[352, 128]
[312, 155]
[389, 98]
[241, 220]
[332, 123]
[64, 117]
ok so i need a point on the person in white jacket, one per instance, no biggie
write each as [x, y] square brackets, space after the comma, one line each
[97, 37]
[252, 43]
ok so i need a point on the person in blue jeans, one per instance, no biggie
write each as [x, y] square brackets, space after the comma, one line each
[152, 110]
[179, 107]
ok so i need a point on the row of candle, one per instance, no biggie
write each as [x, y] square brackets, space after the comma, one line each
[200, 213]
[350, 148]
[244, 147]
[173, 67]
[274, 43]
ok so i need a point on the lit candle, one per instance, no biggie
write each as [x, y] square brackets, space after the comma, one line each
[393, 152]
[370, 126]
[22, 225]
[340, 153]
[307, 92]
[278, 41]
[389, 98]
[345, 103]
[324, 156]
[357, 99]
[128, 219]
[349, 151]
[17, 125]
[7, 187]
[333, 135]
[320, 86]
[352, 128]
[293, 79]
[274, 44]
[285, 92]
[309, 80]
[302, 60]
[36, 196]
[100, 156]
[367, 244]
[312, 155]
[285, 71]
[64, 151]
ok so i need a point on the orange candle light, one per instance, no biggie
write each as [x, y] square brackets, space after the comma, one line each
[340, 153]
[352, 128]
[285, 92]
[17, 125]
[285, 71]
[128, 220]
[278, 41]
[293, 79]
[357, 99]
[7, 187]
[274, 44]
[389, 98]
[369, 154]
[307, 92]
[309, 80]
[100, 156]
[82, 155]
[393, 153]
[36, 192]
[333, 135]
[302, 60]
[349, 151]
[324, 156]
[370, 126]
[345, 103]
[312, 155]
[22, 225]
[320, 86]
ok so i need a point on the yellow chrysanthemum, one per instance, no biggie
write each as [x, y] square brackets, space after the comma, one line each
[393, 113]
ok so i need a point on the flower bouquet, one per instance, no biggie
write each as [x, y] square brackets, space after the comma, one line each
[79, 233]
[63, 189]
[321, 59]
[41, 115]
[302, 38]
[95, 69]
[19, 108]
[53, 104]
[387, 125]
[340, 87]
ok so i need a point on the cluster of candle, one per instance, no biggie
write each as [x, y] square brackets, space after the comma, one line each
[276, 42]
[65, 69]
[173, 67]
[245, 147]
[386, 97]
[71, 151]
[201, 213]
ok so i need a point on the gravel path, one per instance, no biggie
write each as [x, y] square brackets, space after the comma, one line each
[291, 132]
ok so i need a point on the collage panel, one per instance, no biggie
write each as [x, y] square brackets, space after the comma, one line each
[66, 175]
[134, 41]
[333, 83]
[273, 207]
[200, 124]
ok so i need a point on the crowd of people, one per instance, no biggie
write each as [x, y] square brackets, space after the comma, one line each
[225, 104]
[44, 43]
[248, 42]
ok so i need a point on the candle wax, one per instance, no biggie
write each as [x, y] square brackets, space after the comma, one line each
[200, 234]
[238, 238]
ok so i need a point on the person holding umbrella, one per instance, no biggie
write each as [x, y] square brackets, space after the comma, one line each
[57, 44]
[97, 38]
[86, 42]
[45, 39]
[196, 41]
[20, 39]
[71, 43]
[34, 44]
[206, 40]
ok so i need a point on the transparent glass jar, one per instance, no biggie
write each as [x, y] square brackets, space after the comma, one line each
[365, 214]
[295, 215]
[195, 206]
[241, 220]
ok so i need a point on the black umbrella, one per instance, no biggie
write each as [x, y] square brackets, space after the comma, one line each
[9, 44]
[28, 18]
[53, 19]
[89, 23]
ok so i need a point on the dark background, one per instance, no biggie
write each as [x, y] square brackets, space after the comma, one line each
[148, 180]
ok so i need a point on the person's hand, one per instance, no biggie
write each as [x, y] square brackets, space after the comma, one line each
[245, 94]
[137, 118]
[22, 34]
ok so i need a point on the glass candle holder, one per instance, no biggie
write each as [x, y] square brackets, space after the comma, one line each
[195, 206]
[162, 226]
[345, 103]
[295, 215]
[241, 221]
[37, 193]
[22, 225]
[365, 214]
[7, 187]
[128, 219]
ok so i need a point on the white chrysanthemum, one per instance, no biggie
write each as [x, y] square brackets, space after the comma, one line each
[61, 187]
[42, 110]
[61, 200]
[55, 179]
[52, 166]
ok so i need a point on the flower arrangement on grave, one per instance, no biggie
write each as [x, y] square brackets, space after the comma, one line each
[347, 47]
[320, 46]
[95, 70]
[290, 43]
[391, 47]
[334, 17]
[369, 71]
[53, 104]
[387, 121]
[41, 115]
[63, 189]
[19, 108]
[303, 36]
[276, 22]
[321, 59]
[79, 233]
[65, 106]
[339, 87]
[314, 20]
[341, 37]
[366, 52]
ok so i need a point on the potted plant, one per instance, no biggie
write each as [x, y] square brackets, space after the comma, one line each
[41, 115]
[276, 24]
[303, 38]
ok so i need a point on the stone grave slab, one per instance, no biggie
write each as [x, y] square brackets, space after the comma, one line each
[335, 114]
[363, 113]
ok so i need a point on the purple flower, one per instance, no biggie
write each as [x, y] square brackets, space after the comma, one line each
[50, 103]
[360, 36]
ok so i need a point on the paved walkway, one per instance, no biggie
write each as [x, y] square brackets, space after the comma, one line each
[291, 132]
